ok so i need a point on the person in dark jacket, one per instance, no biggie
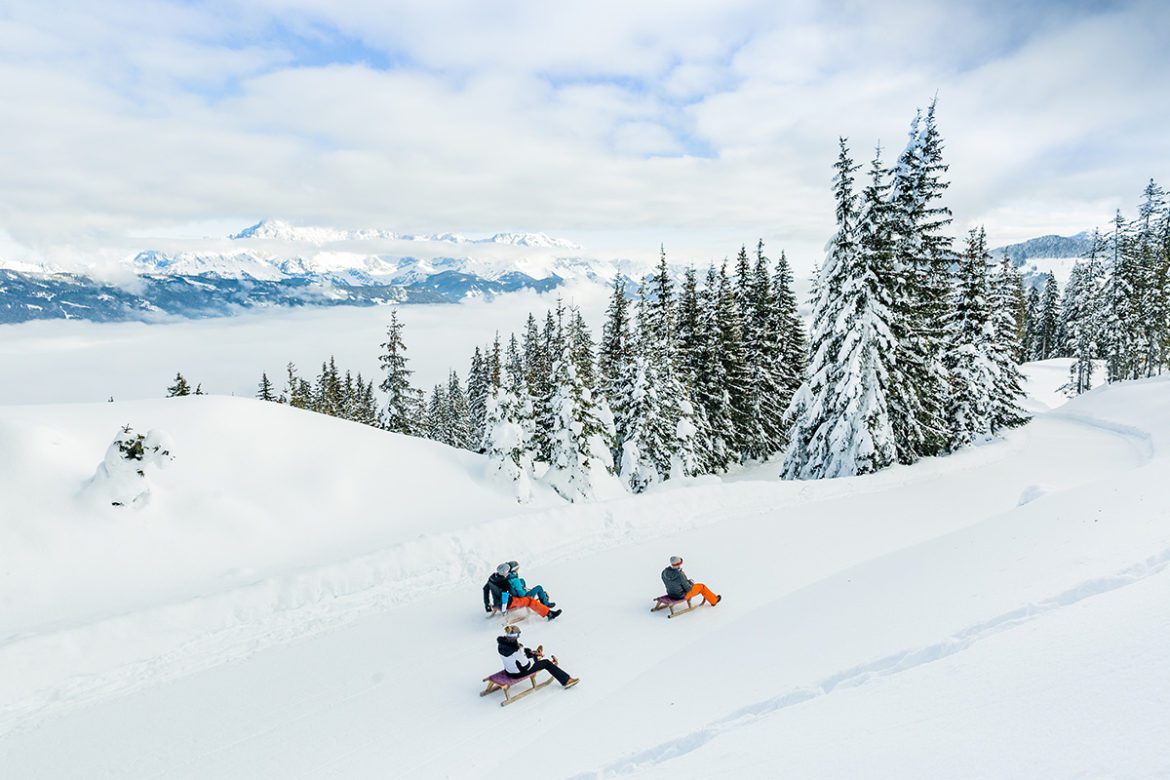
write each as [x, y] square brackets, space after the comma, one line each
[679, 586]
[520, 662]
[494, 590]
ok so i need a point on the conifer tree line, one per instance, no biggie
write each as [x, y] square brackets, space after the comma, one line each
[1115, 309]
[914, 346]
[346, 396]
[689, 377]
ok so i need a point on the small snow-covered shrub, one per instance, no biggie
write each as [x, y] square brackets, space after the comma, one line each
[122, 476]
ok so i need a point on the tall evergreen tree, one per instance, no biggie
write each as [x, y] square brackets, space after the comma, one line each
[793, 341]
[1005, 348]
[918, 384]
[1082, 318]
[717, 371]
[841, 413]
[478, 387]
[438, 425]
[615, 360]
[458, 415]
[580, 463]
[402, 413]
[1048, 329]
[265, 392]
[968, 356]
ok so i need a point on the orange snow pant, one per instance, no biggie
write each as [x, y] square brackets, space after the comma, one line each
[531, 603]
[701, 590]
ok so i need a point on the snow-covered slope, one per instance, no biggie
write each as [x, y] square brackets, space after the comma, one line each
[307, 604]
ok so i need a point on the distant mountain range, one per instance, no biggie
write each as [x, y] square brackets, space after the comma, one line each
[278, 264]
[278, 230]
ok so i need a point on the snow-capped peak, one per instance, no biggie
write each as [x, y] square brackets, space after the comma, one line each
[279, 230]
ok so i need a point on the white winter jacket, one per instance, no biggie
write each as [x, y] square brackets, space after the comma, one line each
[518, 662]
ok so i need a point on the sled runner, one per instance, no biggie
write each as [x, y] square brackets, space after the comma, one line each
[500, 681]
[666, 602]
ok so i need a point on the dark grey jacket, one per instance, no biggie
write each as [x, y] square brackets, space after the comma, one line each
[676, 582]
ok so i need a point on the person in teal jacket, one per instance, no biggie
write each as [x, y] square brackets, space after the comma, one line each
[519, 588]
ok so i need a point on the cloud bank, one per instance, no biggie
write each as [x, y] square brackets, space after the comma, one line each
[617, 125]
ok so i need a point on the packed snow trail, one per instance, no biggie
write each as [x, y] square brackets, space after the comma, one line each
[815, 589]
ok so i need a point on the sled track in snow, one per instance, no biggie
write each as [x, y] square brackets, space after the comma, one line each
[886, 666]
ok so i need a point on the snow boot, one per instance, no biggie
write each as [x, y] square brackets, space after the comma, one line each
[553, 614]
[572, 681]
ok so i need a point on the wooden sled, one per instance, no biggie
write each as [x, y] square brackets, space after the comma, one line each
[513, 616]
[500, 681]
[666, 602]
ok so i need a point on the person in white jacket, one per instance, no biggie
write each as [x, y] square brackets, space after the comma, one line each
[520, 662]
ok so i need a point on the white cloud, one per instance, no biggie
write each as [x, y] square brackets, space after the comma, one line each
[434, 116]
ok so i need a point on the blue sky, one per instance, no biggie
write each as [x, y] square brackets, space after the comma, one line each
[699, 125]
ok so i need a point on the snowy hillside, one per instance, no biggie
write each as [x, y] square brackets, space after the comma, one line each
[302, 598]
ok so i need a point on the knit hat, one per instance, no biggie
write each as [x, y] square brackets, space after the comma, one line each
[512, 630]
[513, 566]
[675, 560]
[502, 570]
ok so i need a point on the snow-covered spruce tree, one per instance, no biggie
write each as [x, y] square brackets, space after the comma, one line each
[1121, 327]
[692, 358]
[402, 412]
[1007, 382]
[1048, 329]
[841, 412]
[507, 441]
[683, 454]
[580, 341]
[789, 328]
[493, 362]
[580, 463]
[180, 387]
[437, 425]
[968, 356]
[751, 435]
[716, 354]
[770, 391]
[513, 379]
[615, 361]
[327, 392]
[458, 417]
[1032, 325]
[478, 383]
[1082, 319]
[298, 390]
[649, 438]
[1153, 306]
[265, 391]
[918, 382]
[731, 351]
[1015, 300]
[122, 478]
